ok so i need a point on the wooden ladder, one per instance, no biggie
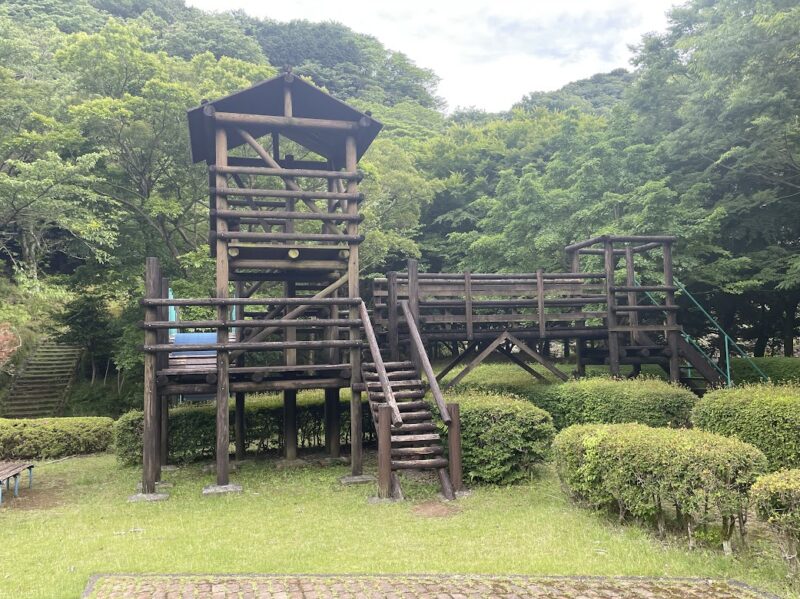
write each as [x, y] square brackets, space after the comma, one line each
[416, 443]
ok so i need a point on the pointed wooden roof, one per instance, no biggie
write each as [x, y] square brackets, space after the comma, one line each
[308, 102]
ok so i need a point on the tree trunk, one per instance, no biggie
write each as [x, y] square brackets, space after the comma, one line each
[763, 336]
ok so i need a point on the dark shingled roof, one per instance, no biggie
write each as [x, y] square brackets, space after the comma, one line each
[266, 98]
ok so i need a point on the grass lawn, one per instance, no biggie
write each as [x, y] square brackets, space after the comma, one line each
[76, 522]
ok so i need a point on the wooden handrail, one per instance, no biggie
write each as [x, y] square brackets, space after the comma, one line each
[380, 367]
[424, 362]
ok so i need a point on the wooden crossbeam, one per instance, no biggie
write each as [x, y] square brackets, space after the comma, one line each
[537, 356]
[478, 359]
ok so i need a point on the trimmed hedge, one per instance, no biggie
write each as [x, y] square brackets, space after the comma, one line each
[645, 400]
[777, 499]
[192, 429]
[502, 437]
[779, 369]
[768, 416]
[641, 470]
[48, 438]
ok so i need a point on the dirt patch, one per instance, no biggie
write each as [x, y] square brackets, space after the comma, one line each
[435, 509]
[43, 496]
[9, 342]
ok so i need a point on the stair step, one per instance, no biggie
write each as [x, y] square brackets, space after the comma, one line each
[411, 394]
[415, 416]
[412, 451]
[419, 464]
[410, 406]
[393, 374]
[396, 384]
[415, 438]
[418, 427]
[389, 365]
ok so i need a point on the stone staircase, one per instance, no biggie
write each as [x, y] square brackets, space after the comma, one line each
[40, 387]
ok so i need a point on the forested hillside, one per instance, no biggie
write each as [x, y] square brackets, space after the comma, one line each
[700, 139]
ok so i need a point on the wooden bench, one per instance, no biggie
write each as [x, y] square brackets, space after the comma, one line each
[9, 470]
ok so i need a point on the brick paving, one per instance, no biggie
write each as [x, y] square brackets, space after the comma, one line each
[408, 587]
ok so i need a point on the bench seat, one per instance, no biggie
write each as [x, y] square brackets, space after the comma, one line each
[9, 470]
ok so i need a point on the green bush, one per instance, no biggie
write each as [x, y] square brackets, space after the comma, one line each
[597, 399]
[768, 416]
[641, 471]
[502, 437]
[777, 499]
[47, 438]
[778, 368]
[192, 429]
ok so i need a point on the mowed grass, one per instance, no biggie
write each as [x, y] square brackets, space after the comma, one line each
[77, 522]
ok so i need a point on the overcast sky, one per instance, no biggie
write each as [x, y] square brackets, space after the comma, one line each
[487, 53]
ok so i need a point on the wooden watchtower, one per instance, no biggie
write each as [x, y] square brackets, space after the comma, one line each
[284, 230]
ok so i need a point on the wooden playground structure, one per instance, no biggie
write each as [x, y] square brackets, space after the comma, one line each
[287, 313]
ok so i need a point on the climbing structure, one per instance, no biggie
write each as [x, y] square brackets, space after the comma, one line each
[287, 313]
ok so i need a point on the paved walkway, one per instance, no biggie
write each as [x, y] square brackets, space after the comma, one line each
[411, 587]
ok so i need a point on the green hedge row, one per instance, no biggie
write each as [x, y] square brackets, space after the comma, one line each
[48, 438]
[502, 437]
[645, 400]
[768, 416]
[192, 429]
[777, 499]
[779, 370]
[642, 471]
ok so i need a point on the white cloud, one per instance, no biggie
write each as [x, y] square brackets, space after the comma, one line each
[488, 54]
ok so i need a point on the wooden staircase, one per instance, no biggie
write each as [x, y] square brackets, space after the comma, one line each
[416, 443]
[40, 387]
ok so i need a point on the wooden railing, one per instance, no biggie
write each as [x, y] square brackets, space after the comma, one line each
[420, 356]
[380, 367]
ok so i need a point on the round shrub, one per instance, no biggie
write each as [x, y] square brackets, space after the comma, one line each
[777, 499]
[641, 470]
[768, 416]
[48, 438]
[502, 436]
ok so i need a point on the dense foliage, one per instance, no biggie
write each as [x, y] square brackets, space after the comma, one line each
[502, 437]
[47, 438]
[602, 400]
[642, 471]
[700, 140]
[777, 500]
[768, 416]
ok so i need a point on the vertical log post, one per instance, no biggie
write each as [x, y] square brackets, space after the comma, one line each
[290, 395]
[223, 431]
[672, 316]
[384, 451]
[239, 422]
[356, 449]
[580, 366]
[150, 462]
[468, 304]
[391, 316]
[630, 281]
[454, 447]
[540, 304]
[611, 319]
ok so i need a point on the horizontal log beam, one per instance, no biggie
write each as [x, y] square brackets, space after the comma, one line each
[285, 193]
[254, 301]
[287, 172]
[284, 215]
[258, 236]
[210, 324]
[250, 345]
[282, 122]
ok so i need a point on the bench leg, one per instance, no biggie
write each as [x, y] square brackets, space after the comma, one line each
[16, 485]
[1, 493]
[30, 478]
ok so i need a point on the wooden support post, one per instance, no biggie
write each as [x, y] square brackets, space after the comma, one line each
[287, 94]
[391, 316]
[150, 462]
[611, 319]
[290, 423]
[454, 447]
[630, 281]
[580, 366]
[384, 451]
[356, 449]
[672, 316]
[540, 303]
[223, 432]
[332, 422]
[413, 300]
[468, 303]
